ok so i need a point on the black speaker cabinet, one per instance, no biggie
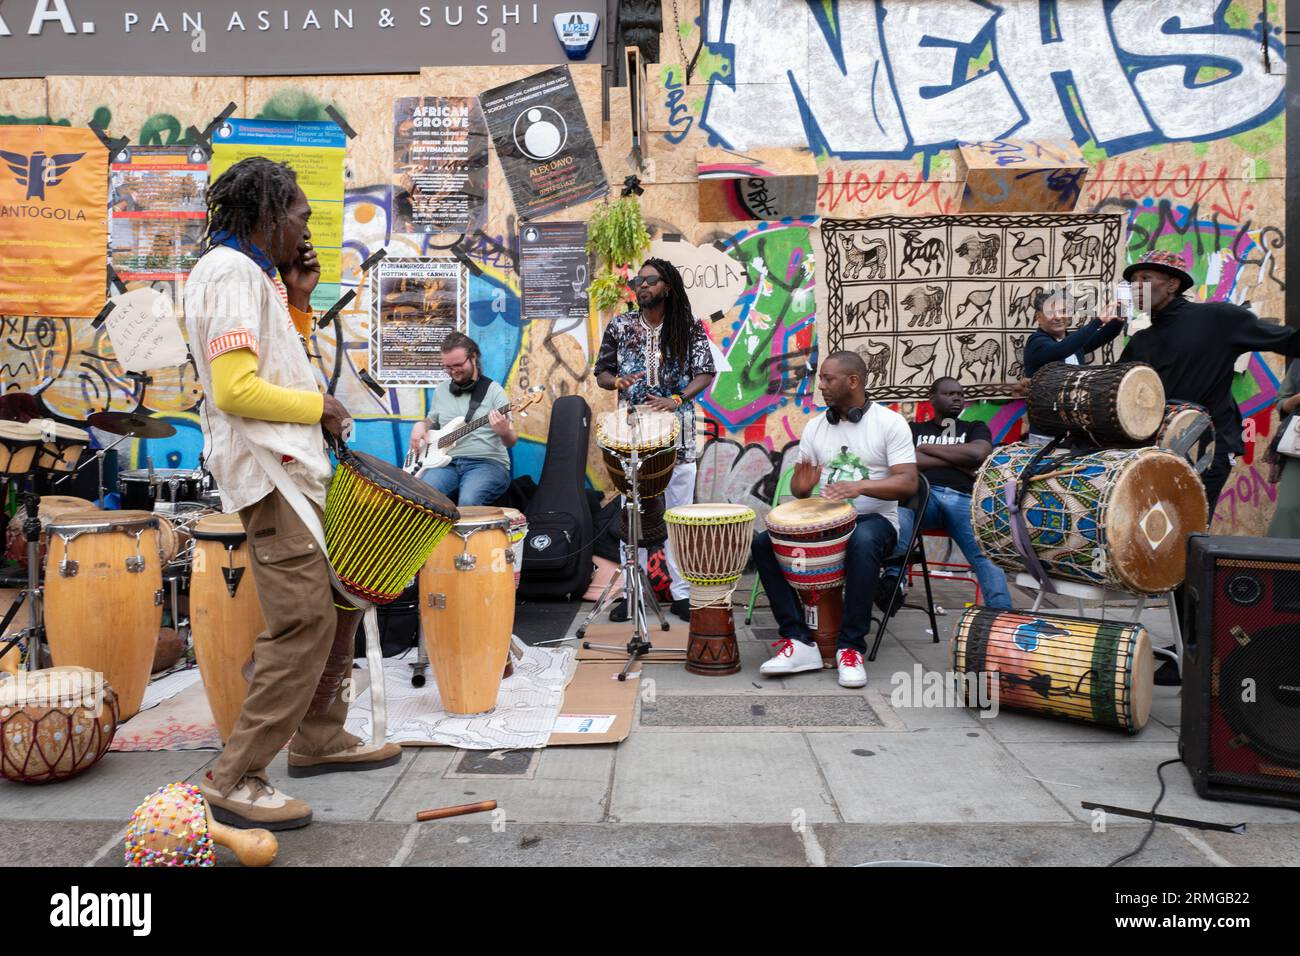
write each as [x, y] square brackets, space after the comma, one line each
[1241, 676]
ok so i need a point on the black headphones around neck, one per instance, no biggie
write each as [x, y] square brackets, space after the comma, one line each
[458, 390]
[853, 415]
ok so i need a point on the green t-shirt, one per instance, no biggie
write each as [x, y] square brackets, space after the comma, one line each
[480, 443]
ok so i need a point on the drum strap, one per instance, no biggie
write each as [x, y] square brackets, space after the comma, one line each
[1015, 494]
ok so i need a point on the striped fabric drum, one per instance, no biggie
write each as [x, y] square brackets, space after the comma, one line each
[810, 539]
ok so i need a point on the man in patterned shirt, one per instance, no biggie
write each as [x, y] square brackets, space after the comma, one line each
[660, 356]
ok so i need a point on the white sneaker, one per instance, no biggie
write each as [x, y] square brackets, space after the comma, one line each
[853, 673]
[792, 657]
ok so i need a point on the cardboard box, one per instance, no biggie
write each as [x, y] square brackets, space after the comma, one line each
[597, 705]
[756, 184]
[1010, 176]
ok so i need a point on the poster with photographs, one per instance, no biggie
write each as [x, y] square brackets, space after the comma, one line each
[553, 267]
[543, 142]
[440, 165]
[414, 305]
[157, 204]
[926, 296]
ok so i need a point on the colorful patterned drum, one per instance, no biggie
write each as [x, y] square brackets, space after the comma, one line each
[810, 539]
[518, 534]
[1117, 517]
[1111, 404]
[1188, 431]
[711, 543]
[1099, 672]
[54, 723]
[653, 434]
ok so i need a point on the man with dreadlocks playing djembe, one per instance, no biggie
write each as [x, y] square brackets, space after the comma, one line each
[660, 357]
[248, 312]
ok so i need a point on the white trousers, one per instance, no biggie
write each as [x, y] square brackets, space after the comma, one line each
[680, 491]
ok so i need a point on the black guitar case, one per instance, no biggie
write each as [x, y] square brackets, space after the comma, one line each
[557, 551]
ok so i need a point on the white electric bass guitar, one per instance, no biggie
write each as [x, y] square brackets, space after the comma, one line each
[433, 453]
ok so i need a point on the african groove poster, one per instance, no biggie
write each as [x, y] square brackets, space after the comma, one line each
[543, 142]
[440, 165]
[920, 297]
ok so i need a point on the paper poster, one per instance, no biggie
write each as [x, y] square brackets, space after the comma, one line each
[414, 305]
[440, 165]
[315, 151]
[144, 331]
[542, 140]
[553, 267]
[53, 221]
[157, 207]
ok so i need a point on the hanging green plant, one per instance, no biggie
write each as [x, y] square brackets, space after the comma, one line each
[617, 236]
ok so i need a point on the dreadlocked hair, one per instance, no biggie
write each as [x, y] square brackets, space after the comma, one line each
[251, 196]
[678, 320]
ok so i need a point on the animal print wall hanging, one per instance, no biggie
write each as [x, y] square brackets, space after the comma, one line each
[919, 297]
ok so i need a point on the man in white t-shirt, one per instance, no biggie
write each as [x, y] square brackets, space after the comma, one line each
[860, 452]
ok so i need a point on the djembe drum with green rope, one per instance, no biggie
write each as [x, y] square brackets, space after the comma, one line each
[711, 544]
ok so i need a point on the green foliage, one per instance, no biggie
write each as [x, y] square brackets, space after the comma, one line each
[617, 236]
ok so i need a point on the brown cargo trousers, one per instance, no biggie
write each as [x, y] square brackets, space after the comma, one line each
[297, 599]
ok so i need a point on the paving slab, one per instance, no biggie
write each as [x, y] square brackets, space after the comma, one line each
[55, 843]
[1263, 844]
[570, 785]
[1010, 726]
[110, 790]
[1001, 844]
[340, 796]
[319, 844]
[609, 845]
[718, 778]
[1126, 777]
[939, 776]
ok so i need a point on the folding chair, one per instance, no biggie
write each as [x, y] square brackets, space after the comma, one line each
[914, 554]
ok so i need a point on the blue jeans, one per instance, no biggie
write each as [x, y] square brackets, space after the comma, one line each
[470, 481]
[949, 512]
[872, 540]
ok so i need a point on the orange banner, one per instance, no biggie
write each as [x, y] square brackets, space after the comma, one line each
[53, 221]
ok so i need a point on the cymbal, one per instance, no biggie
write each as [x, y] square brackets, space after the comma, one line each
[129, 423]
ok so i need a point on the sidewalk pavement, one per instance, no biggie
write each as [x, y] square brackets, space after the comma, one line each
[734, 771]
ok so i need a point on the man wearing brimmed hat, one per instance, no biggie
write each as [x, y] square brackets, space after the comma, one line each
[1194, 345]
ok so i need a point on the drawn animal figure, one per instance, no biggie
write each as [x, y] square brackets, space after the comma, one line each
[853, 315]
[918, 357]
[877, 365]
[929, 252]
[878, 307]
[987, 355]
[1028, 254]
[1022, 306]
[871, 258]
[1082, 251]
[1017, 369]
[978, 302]
[982, 253]
[926, 306]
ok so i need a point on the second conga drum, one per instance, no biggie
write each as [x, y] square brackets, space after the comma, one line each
[225, 616]
[103, 597]
[467, 610]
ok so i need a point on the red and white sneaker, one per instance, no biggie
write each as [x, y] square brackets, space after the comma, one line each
[792, 657]
[853, 673]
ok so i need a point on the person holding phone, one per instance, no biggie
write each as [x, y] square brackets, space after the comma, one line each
[248, 313]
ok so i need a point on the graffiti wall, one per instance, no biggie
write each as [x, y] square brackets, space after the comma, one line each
[1177, 105]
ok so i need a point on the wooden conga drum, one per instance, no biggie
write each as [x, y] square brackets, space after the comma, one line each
[467, 610]
[711, 543]
[1098, 672]
[1109, 404]
[225, 616]
[810, 539]
[103, 597]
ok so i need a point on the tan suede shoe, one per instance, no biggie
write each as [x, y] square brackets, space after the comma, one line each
[361, 757]
[254, 803]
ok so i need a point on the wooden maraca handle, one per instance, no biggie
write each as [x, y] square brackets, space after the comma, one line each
[252, 847]
[441, 812]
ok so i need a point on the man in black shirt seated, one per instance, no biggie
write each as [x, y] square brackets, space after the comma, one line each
[949, 452]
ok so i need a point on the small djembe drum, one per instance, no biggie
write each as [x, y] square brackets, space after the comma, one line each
[810, 539]
[54, 723]
[652, 434]
[1188, 431]
[174, 827]
[711, 543]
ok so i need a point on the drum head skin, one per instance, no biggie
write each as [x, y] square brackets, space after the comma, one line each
[1155, 504]
[652, 429]
[222, 527]
[394, 479]
[94, 518]
[809, 515]
[705, 513]
[482, 518]
[1141, 402]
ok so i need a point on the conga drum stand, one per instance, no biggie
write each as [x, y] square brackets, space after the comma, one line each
[34, 634]
[637, 589]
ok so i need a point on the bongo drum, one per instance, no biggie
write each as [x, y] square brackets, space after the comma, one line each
[225, 616]
[1188, 431]
[103, 597]
[518, 533]
[381, 525]
[1113, 404]
[1098, 672]
[61, 446]
[652, 434]
[810, 539]
[1117, 517]
[174, 827]
[711, 543]
[54, 723]
[467, 610]
[19, 444]
[51, 507]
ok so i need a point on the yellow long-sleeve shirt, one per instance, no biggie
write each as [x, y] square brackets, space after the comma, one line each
[237, 389]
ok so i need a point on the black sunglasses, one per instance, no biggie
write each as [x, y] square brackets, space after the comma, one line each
[639, 281]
